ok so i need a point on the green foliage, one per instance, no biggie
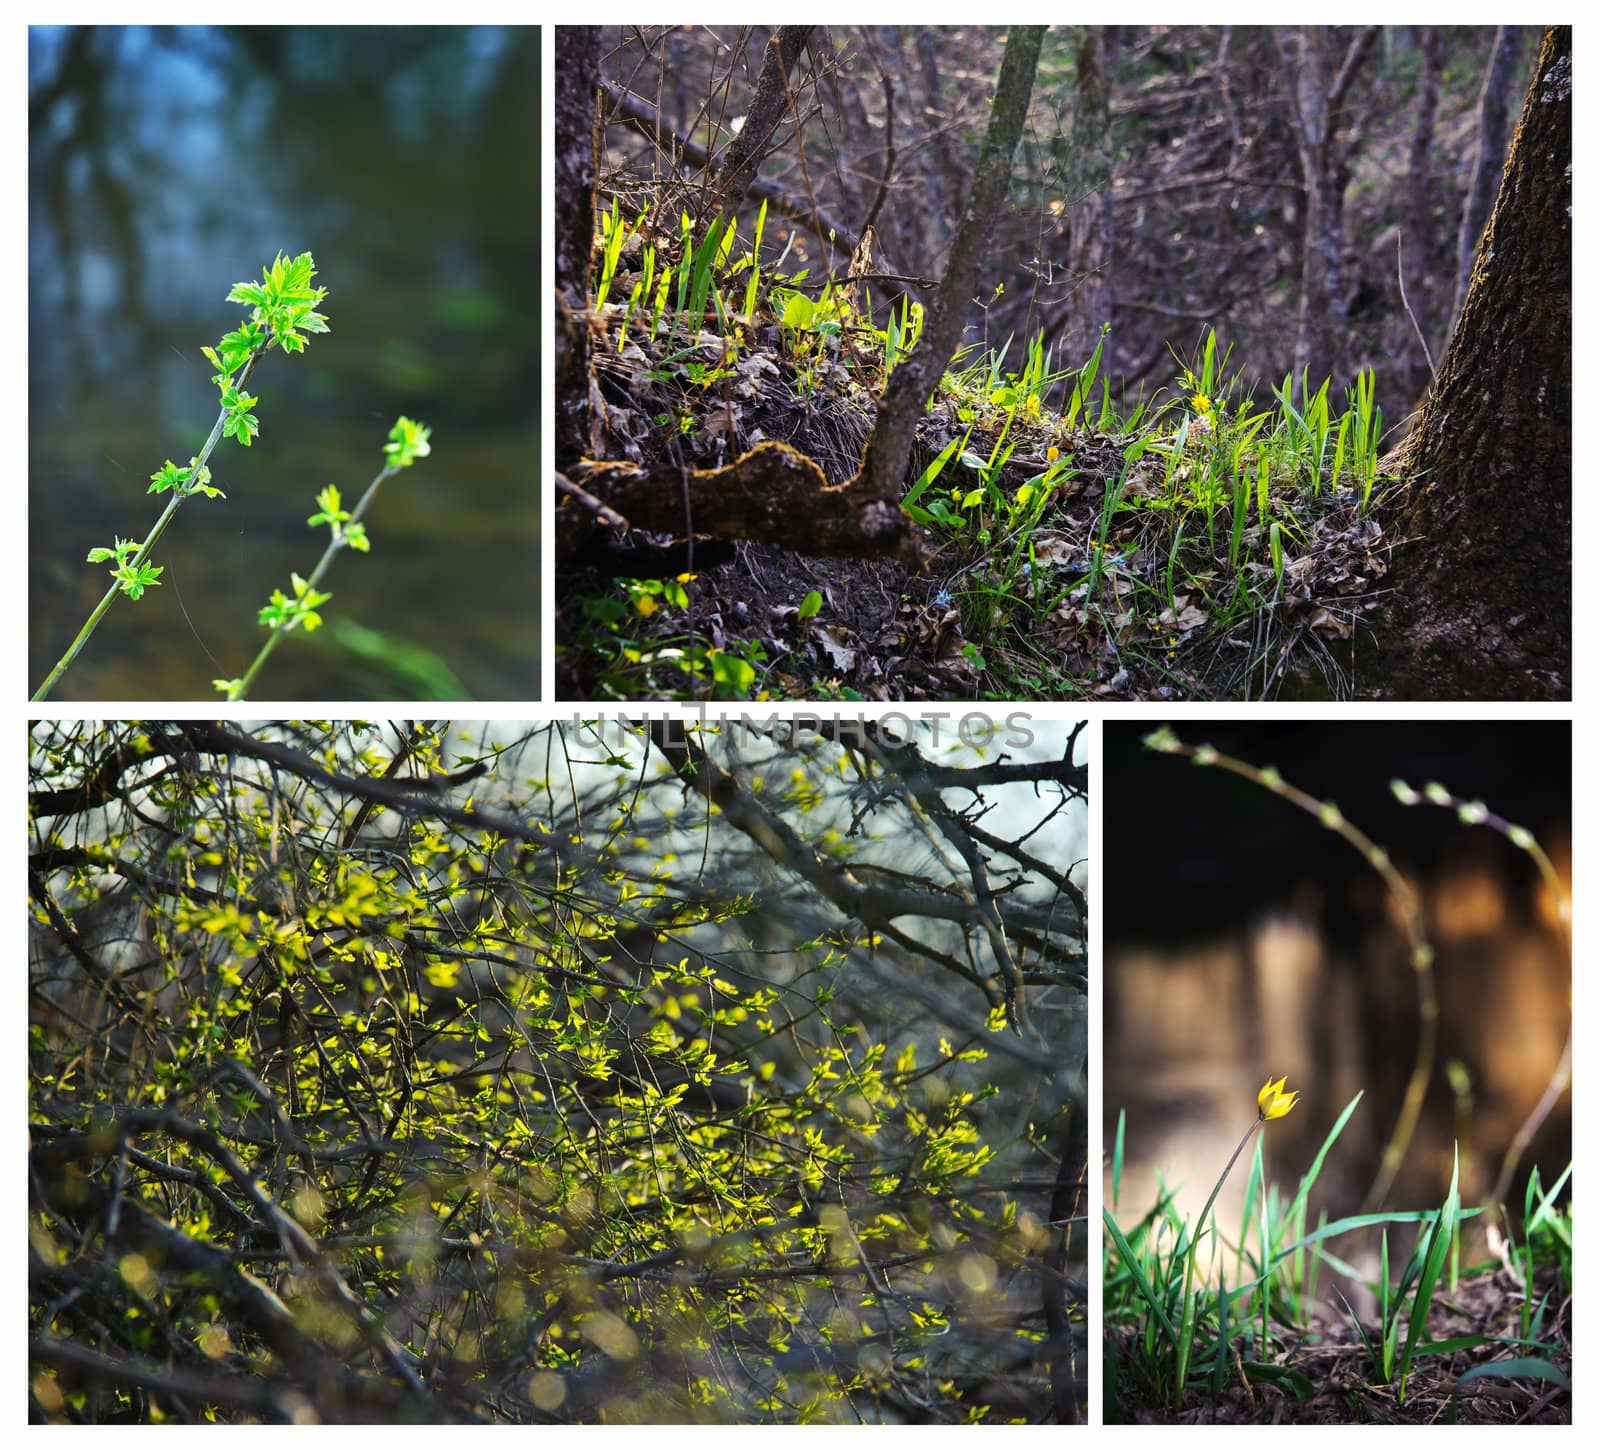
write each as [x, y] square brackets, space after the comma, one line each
[238, 421]
[673, 304]
[283, 303]
[193, 479]
[521, 1090]
[338, 519]
[1234, 496]
[1187, 1330]
[614, 232]
[300, 611]
[132, 574]
[283, 613]
[1239, 503]
[408, 442]
[282, 311]
[642, 641]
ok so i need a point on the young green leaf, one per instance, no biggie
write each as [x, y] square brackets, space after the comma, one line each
[169, 475]
[408, 442]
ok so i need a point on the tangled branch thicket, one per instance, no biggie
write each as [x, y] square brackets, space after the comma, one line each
[554, 1073]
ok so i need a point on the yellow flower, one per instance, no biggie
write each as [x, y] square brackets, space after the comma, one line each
[1273, 1101]
[1202, 404]
[646, 604]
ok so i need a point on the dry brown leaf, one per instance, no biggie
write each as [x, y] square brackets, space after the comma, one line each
[1325, 621]
[835, 640]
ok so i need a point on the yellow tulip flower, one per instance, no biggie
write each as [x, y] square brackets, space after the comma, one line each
[1273, 1102]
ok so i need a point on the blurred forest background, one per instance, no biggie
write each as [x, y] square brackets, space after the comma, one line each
[1266, 182]
[557, 1072]
[167, 163]
[1276, 950]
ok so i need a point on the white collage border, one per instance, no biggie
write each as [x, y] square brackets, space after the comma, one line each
[13, 654]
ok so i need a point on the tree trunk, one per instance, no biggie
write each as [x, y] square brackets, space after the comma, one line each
[1486, 588]
[952, 165]
[577, 76]
[920, 245]
[1419, 219]
[1489, 161]
[739, 163]
[1089, 195]
[911, 384]
[1317, 97]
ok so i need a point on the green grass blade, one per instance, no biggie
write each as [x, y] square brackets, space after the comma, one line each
[1386, 1317]
[1189, 1313]
[1303, 1194]
[1438, 1246]
[1252, 1186]
[1361, 1330]
[1314, 1269]
[1476, 1341]
[1219, 1366]
[1517, 1369]
[1116, 1157]
[1543, 1212]
[1131, 1263]
[933, 470]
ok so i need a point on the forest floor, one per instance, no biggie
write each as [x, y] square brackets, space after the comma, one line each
[1337, 1385]
[1068, 547]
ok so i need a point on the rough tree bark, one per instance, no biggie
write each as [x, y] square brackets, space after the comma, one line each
[577, 75]
[911, 384]
[1489, 161]
[1317, 98]
[1485, 590]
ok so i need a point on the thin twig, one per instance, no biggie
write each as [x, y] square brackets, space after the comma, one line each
[1400, 272]
[604, 512]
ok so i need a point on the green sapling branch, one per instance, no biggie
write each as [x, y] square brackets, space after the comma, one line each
[282, 307]
[408, 441]
[132, 576]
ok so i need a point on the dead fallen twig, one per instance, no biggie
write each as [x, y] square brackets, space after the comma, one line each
[603, 511]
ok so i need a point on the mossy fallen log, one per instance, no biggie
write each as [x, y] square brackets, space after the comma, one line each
[773, 494]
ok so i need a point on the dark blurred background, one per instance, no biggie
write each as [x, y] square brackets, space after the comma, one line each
[166, 164]
[1243, 940]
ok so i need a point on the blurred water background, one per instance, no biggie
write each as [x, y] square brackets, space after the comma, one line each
[1243, 941]
[168, 163]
